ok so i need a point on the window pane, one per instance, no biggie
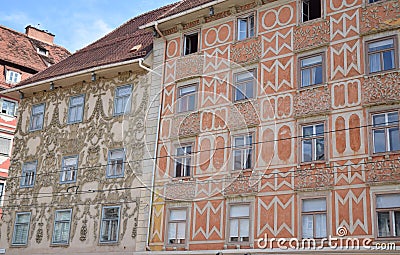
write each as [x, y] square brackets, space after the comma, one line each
[244, 228]
[181, 231]
[234, 228]
[394, 141]
[320, 149]
[319, 129]
[308, 131]
[379, 141]
[393, 118]
[305, 77]
[115, 154]
[380, 45]
[320, 226]
[397, 223]
[318, 75]
[242, 29]
[77, 100]
[187, 90]
[239, 141]
[311, 61]
[374, 63]
[251, 26]
[307, 226]
[249, 90]
[244, 76]
[307, 150]
[314, 205]
[387, 201]
[383, 224]
[172, 231]
[379, 120]
[240, 92]
[177, 215]
[240, 211]
[5, 145]
[388, 60]
[191, 102]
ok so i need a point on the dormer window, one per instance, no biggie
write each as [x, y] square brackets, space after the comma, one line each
[12, 77]
[191, 43]
[42, 51]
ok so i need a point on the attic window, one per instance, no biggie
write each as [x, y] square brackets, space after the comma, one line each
[42, 51]
[191, 43]
[135, 48]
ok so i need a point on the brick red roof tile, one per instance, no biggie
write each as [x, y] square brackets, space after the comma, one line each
[19, 49]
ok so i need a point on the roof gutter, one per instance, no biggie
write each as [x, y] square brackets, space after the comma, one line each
[151, 24]
[19, 88]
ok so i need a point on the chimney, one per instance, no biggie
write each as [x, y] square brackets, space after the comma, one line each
[40, 35]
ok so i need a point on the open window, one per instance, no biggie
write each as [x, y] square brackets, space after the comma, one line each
[191, 43]
[311, 9]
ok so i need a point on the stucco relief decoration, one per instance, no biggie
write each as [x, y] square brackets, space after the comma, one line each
[180, 190]
[241, 185]
[382, 171]
[247, 51]
[314, 178]
[311, 35]
[90, 140]
[189, 66]
[312, 101]
[381, 89]
[188, 125]
[246, 112]
[380, 16]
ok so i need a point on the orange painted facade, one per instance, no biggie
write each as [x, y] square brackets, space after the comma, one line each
[349, 173]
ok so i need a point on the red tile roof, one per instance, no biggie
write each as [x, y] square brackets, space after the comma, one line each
[19, 49]
[116, 46]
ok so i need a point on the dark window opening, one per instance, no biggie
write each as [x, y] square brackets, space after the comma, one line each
[311, 9]
[191, 43]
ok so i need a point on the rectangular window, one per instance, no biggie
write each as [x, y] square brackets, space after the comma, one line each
[311, 70]
[28, 174]
[62, 226]
[239, 223]
[313, 215]
[381, 55]
[187, 98]
[75, 110]
[9, 107]
[373, 1]
[110, 219]
[5, 146]
[122, 100]
[21, 228]
[116, 163]
[37, 117]
[183, 161]
[12, 77]
[245, 27]
[385, 132]
[191, 43]
[242, 152]
[244, 85]
[1, 192]
[69, 169]
[177, 226]
[388, 215]
[311, 9]
[313, 143]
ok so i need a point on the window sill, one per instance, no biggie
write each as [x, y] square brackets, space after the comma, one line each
[116, 243]
[115, 177]
[183, 178]
[380, 73]
[314, 86]
[313, 163]
[19, 246]
[59, 245]
[237, 41]
[245, 100]
[74, 122]
[35, 130]
[385, 154]
[310, 22]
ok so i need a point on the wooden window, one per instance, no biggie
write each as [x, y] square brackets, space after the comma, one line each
[110, 220]
[311, 70]
[28, 174]
[116, 163]
[313, 143]
[183, 161]
[239, 223]
[385, 132]
[75, 110]
[122, 100]
[191, 43]
[21, 228]
[244, 85]
[381, 55]
[69, 169]
[245, 27]
[177, 226]
[37, 117]
[388, 215]
[62, 226]
[187, 98]
[313, 216]
[311, 9]
[242, 152]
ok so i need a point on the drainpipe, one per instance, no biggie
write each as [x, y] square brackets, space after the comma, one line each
[157, 136]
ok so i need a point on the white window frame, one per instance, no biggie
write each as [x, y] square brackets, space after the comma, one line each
[28, 173]
[186, 158]
[187, 96]
[239, 219]
[184, 42]
[20, 224]
[386, 127]
[8, 153]
[109, 221]
[314, 137]
[314, 214]
[302, 11]
[182, 242]
[247, 18]
[69, 171]
[243, 151]
[13, 77]
[237, 84]
[35, 117]
[56, 222]
[14, 113]
[77, 108]
[391, 211]
[111, 165]
[126, 100]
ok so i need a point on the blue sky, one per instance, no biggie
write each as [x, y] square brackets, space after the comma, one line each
[75, 23]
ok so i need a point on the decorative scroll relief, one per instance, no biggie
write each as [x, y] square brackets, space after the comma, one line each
[246, 52]
[380, 16]
[244, 114]
[181, 191]
[312, 35]
[315, 178]
[383, 171]
[241, 185]
[312, 101]
[381, 88]
[188, 125]
[189, 66]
